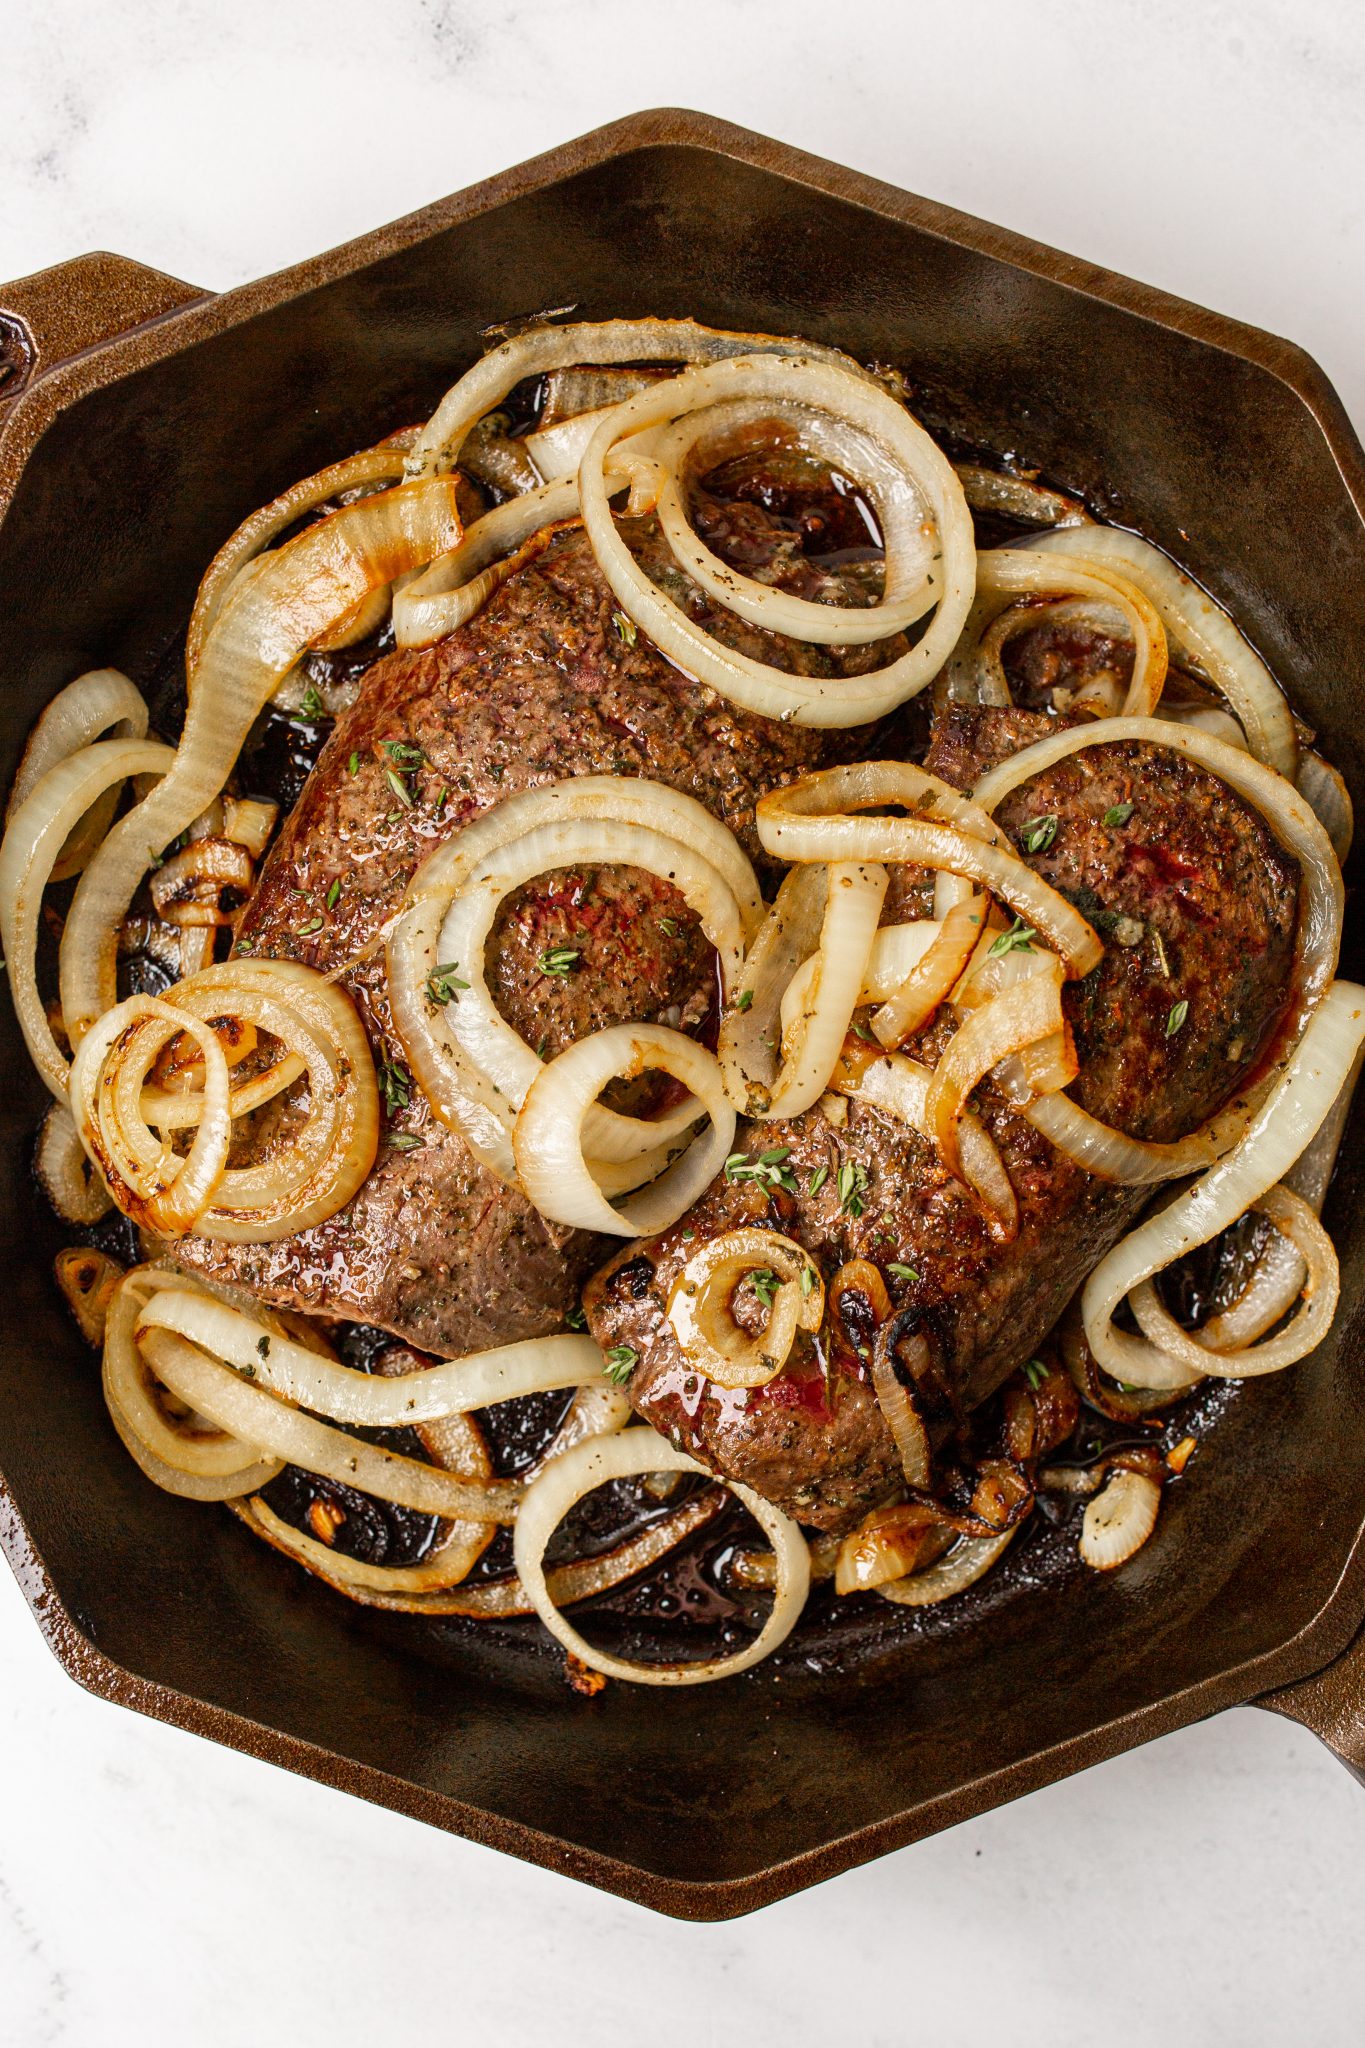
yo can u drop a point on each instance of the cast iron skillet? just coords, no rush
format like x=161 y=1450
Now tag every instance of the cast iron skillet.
x=139 y=421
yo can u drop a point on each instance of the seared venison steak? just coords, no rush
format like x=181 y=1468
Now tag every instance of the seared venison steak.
x=1197 y=904
x=548 y=681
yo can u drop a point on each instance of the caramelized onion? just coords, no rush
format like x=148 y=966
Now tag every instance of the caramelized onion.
x=1020 y=1015
x=825 y=918
x=284 y=1367
x=637 y=1451
x=549 y=1138
x=99 y=702
x=310 y=1176
x=970 y=1558
x=1201 y=634
x=291 y=599
x=700 y=1311
x=816 y=819
x=1119 y=1520
x=1005 y=575
x=1302 y=1096
x=63 y=1170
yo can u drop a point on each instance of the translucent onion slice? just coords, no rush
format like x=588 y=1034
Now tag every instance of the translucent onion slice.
x=252 y=1415
x=542 y=349
x=699 y=1306
x=310 y=1176
x=1018 y=497
x=897 y=950
x=1325 y=789
x=63 y=1170
x=188 y=888
x=1301 y=1098
x=448 y=1563
x=148 y=1180
x=637 y=1451
x=37 y=831
x=1119 y=1520
x=549 y=1137
x=492 y=1599
x=1006 y=575
x=181 y=1453
x=1201 y=634
x=540 y=1365
x=816 y=819
x=847 y=899
x=461 y=1095
x=901 y=1415
x=99 y=702
x=910 y=1006
x=970 y=1558
x=910 y=587
x=1222 y=1352
x=504 y=1059
x=371 y=469
x=446 y=594
x=870 y=411
x=1093 y=1145
x=900 y=1087
x=1020 y=1015
x=296 y=595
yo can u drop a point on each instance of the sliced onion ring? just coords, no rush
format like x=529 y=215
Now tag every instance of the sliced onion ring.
x=635 y=1452
x=699 y=1309
x=1004 y=575
x=542 y=349
x=970 y=1558
x=548 y=1139
x=846 y=898
x=1302 y=1096
x=295 y=596
x=816 y=819
x=900 y=1087
x=750 y=683
x=540 y=1365
x=253 y=1416
x=1200 y=632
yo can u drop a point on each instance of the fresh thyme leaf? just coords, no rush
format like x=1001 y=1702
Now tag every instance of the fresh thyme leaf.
x=395 y=1085
x=575 y=1318
x=817 y=1180
x=744 y=1000
x=444 y=984
x=622 y=1360
x=1035 y=1372
x=627 y=632
x=1019 y=938
x=404 y=1141
x=559 y=960
x=669 y=926
x=333 y=893
x=901 y=1272
x=769 y=1168
x=403 y=754
x=399 y=788
x=1039 y=833
x=1179 y=1012
x=311 y=708
x=1119 y=814
x=852 y=1186
x=807 y=1280
x=763 y=1280
x=313 y=924
x=353 y=765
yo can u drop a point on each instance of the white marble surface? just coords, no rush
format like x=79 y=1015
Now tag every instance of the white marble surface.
x=1207 y=1890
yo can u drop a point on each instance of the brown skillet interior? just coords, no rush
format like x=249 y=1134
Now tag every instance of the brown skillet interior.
x=667 y=1795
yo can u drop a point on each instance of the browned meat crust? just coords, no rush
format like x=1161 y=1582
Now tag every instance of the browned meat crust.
x=1198 y=904
x=542 y=684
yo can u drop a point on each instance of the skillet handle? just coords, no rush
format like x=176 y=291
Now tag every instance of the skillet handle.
x=58 y=313
x=1331 y=1704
